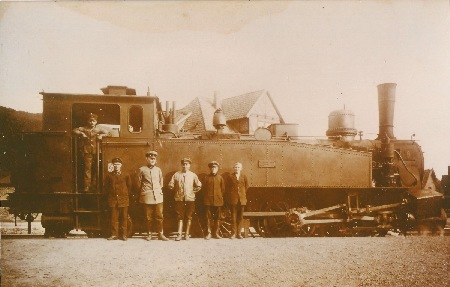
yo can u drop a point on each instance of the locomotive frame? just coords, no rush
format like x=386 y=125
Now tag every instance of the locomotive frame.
x=326 y=187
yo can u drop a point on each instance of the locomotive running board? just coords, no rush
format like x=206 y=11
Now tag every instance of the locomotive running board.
x=264 y=213
x=283 y=213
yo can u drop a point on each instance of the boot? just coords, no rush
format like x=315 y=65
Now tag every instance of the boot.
x=208 y=226
x=188 y=227
x=149 y=230
x=217 y=230
x=114 y=230
x=238 y=231
x=162 y=237
x=180 y=230
x=233 y=230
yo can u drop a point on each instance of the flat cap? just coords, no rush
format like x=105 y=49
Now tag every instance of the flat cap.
x=117 y=159
x=151 y=153
x=213 y=163
x=92 y=116
x=186 y=159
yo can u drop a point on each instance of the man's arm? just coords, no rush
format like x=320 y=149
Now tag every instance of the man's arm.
x=161 y=179
x=222 y=184
x=245 y=183
x=171 y=184
x=102 y=132
x=79 y=131
x=197 y=184
x=108 y=184
x=139 y=179
x=128 y=183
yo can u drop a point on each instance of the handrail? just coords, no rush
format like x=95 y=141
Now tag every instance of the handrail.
x=407 y=169
x=126 y=143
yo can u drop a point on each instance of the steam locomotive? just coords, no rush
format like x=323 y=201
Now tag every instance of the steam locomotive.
x=333 y=186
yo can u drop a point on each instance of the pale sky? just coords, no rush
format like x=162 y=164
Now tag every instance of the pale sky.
x=313 y=57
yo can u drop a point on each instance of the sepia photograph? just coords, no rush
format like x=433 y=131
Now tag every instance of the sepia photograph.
x=224 y=143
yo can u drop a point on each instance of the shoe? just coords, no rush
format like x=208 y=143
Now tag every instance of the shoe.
x=162 y=237
x=124 y=238
x=217 y=236
x=148 y=238
x=239 y=236
x=208 y=236
x=186 y=236
x=178 y=237
x=113 y=238
x=233 y=236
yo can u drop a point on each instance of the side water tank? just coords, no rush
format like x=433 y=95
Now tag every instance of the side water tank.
x=341 y=125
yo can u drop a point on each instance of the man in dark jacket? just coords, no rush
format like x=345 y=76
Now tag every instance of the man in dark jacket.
x=236 y=197
x=117 y=186
x=214 y=188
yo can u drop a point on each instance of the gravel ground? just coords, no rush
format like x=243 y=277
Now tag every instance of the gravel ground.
x=365 y=261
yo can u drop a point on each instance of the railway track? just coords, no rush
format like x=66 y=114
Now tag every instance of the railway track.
x=18 y=230
x=139 y=237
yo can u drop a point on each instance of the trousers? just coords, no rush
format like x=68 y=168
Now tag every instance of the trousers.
x=154 y=213
x=90 y=171
x=184 y=209
x=119 y=217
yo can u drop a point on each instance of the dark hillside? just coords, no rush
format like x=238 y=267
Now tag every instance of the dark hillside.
x=13 y=122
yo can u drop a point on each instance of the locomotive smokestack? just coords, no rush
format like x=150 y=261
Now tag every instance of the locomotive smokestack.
x=386 y=105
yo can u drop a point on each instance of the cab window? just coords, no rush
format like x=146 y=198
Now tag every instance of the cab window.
x=108 y=116
x=135 y=119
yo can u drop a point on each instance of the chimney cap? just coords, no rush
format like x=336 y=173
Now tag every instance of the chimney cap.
x=117 y=90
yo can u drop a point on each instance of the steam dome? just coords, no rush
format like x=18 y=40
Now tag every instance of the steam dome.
x=341 y=124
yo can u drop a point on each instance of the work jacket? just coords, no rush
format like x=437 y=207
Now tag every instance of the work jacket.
x=150 y=182
x=185 y=185
x=236 y=189
x=213 y=190
x=117 y=187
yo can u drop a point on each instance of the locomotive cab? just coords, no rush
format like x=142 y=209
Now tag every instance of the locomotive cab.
x=126 y=119
x=48 y=178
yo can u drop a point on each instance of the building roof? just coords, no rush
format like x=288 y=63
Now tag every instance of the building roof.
x=237 y=107
x=426 y=176
x=429 y=177
x=201 y=118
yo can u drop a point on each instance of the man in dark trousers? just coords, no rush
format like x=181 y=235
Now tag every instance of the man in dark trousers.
x=151 y=194
x=117 y=186
x=214 y=188
x=236 y=197
x=89 y=134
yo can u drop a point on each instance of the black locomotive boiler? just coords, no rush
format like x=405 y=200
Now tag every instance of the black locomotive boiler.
x=331 y=186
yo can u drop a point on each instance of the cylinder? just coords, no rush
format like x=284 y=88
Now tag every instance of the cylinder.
x=386 y=105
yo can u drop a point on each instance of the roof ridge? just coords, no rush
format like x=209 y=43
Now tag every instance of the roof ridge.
x=254 y=92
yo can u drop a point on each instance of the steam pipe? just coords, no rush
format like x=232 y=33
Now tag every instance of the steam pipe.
x=172 y=119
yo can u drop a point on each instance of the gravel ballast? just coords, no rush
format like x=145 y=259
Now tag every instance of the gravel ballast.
x=355 y=261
